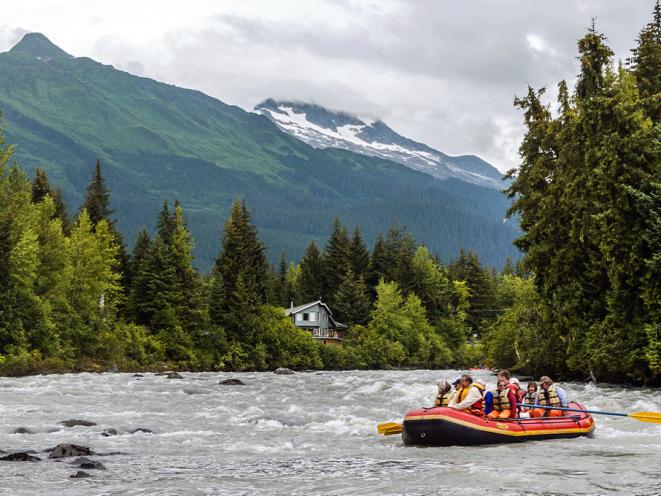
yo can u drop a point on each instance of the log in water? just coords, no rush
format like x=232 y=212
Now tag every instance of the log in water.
x=301 y=434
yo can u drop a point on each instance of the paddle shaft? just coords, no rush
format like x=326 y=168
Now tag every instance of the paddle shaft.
x=574 y=410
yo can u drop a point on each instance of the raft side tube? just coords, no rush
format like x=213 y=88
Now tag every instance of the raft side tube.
x=448 y=427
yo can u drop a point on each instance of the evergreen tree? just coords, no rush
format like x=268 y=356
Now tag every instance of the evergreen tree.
x=97 y=199
x=580 y=195
x=336 y=260
x=97 y=205
x=137 y=280
x=239 y=273
x=646 y=64
x=40 y=186
x=380 y=265
x=481 y=286
x=311 y=275
x=165 y=225
x=360 y=257
x=352 y=303
x=280 y=297
x=61 y=210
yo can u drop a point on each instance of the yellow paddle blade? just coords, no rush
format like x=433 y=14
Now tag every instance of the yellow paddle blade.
x=388 y=428
x=653 y=417
x=393 y=430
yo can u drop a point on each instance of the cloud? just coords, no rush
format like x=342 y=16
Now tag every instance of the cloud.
x=444 y=73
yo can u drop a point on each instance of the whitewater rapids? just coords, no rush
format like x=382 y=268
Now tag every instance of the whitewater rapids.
x=311 y=433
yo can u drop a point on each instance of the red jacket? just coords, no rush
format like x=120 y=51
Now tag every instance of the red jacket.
x=511 y=396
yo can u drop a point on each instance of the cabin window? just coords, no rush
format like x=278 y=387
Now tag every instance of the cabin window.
x=299 y=317
x=306 y=317
x=313 y=316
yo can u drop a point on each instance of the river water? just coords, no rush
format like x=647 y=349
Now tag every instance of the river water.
x=304 y=434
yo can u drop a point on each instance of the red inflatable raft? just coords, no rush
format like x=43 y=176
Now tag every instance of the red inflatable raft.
x=448 y=427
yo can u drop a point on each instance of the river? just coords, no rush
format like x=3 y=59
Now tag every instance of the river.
x=305 y=434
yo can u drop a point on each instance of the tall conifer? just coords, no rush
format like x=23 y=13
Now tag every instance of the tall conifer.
x=240 y=272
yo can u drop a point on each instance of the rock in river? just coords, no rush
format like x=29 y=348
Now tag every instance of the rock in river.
x=232 y=382
x=24 y=430
x=141 y=429
x=66 y=450
x=20 y=457
x=88 y=463
x=283 y=371
x=75 y=422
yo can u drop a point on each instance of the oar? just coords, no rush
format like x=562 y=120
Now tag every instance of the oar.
x=653 y=417
x=389 y=428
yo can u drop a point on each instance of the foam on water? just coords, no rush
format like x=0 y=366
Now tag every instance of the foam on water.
x=310 y=433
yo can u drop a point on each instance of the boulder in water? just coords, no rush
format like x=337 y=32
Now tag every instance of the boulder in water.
x=67 y=450
x=174 y=375
x=20 y=457
x=75 y=423
x=88 y=463
x=283 y=371
x=81 y=474
x=109 y=432
x=24 y=430
x=140 y=429
x=232 y=382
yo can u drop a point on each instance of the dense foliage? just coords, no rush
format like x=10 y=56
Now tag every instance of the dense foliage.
x=587 y=195
x=71 y=299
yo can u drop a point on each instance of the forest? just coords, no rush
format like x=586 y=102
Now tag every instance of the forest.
x=584 y=302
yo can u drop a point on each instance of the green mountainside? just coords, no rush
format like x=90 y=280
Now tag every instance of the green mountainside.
x=159 y=142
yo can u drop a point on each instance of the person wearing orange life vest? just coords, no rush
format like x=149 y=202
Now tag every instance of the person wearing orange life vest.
x=549 y=394
x=512 y=384
x=469 y=398
x=504 y=402
x=444 y=394
x=529 y=397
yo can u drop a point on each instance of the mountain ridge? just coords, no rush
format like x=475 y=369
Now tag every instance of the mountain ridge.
x=160 y=142
x=324 y=128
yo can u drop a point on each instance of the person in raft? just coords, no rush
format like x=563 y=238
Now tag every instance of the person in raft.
x=444 y=394
x=504 y=402
x=469 y=398
x=529 y=397
x=549 y=394
x=512 y=384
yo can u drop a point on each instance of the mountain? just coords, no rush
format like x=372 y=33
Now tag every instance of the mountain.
x=323 y=128
x=159 y=142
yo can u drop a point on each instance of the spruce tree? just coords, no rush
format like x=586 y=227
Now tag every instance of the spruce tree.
x=40 y=186
x=360 y=257
x=97 y=205
x=97 y=199
x=336 y=258
x=352 y=302
x=646 y=64
x=379 y=267
x=311 y=275
x=240 y=271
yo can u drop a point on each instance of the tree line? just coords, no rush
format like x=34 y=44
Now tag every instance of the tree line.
x=72 y=297
x=588 y=196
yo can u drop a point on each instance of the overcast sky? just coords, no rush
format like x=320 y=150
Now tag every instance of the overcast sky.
x=443 y=72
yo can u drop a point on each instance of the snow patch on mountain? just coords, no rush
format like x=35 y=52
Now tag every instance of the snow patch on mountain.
x=322 y=128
